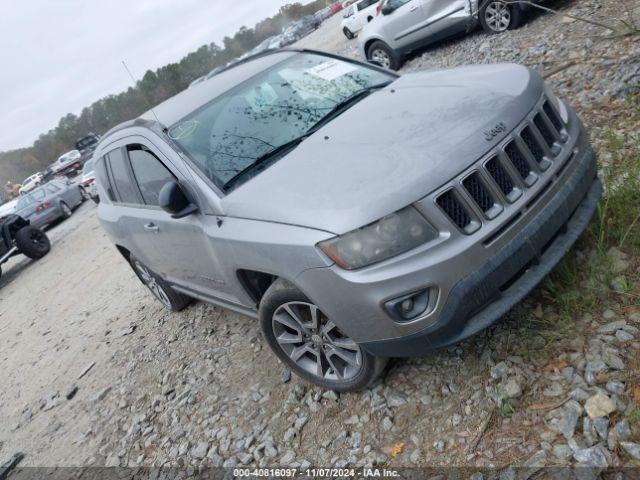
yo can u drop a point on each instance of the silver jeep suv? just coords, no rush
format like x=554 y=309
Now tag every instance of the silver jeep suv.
x=358 y=214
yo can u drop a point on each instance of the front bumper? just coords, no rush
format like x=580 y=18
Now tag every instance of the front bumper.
x=521 y=265
x=469 y=302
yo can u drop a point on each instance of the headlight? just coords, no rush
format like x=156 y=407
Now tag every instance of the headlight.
x=394 y=234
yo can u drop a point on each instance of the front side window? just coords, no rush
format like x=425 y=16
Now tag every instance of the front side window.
x=150 y=173
x=121 y=178
x=235 y=130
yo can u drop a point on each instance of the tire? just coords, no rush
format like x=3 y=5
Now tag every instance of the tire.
x=96 y=199
x=160 y=289
x=32 y=242
x=319 y=363
x=66 y=211
x=498 y=17
x=348 y=33
x=83 y=194
x=380 y=53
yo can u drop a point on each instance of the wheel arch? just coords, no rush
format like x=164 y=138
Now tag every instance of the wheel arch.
x=255 y=283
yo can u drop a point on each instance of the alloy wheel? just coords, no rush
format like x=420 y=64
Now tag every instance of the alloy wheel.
x=314 y=343
x=381 y=57
x=497 y=16
x=152 y=284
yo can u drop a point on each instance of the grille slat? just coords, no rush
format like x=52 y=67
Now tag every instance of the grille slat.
x=546 y=133
x=532 y=144
x=518 y=160
x=553 y=117
x=450 y=204
x=479 y=192
x=500 y=176
x=529 y=149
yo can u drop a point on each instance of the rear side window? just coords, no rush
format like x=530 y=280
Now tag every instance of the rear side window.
x=103 y=177
x=121 y=179
x=150 y=173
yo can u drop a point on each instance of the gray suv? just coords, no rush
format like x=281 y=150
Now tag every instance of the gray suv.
x=407 y=25
x=358 y=214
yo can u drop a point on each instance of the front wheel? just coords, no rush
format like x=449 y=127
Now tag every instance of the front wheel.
x=32 y=242
x=160 y=289
x=498 y=17
x=348 y=33
x=311 y=345
x=381 y=54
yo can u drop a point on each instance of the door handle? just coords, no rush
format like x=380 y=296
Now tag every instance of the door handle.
x=414 y=8
x=152 y=227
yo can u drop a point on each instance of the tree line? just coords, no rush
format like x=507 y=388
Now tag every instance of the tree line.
x=154 y=87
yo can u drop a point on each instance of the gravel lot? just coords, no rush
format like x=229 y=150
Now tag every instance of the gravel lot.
x=202 y=388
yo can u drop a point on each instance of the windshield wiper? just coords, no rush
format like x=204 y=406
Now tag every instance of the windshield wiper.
x=291 y=144
x=347 y=102
x=263 y=159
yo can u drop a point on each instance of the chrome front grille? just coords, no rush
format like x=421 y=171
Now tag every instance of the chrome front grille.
x=526 y=154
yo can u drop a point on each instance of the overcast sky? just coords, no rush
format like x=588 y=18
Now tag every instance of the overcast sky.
x=59 y=56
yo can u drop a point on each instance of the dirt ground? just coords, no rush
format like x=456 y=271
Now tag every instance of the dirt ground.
x=201 y=388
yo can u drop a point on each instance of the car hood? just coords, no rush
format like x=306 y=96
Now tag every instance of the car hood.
x=391 y=149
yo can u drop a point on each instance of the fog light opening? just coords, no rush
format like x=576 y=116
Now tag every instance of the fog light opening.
x=410 y=306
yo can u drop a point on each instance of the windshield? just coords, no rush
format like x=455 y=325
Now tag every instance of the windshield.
x=275 y=107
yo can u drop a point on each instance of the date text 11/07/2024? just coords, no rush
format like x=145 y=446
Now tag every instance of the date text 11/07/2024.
x=315 y=473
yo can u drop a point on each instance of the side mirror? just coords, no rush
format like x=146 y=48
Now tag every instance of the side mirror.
x=173 y=200
x=387 y=10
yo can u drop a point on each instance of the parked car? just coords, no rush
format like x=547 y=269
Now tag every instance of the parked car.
x=406 y=25
x=30 y=183
x=86 y=146
x=336 y=7
x=49 y=203
x=68 y=165
x=89 y=180
x=323 y=14
x=475 y=185
x=301 y=29
x=17 y=237
x=357 y=16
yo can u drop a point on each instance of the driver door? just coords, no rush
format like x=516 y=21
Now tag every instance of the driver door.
x=176 y=249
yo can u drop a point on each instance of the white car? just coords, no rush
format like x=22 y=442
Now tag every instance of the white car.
x=66 y=160
x=358 y=15
x=89 y=180
x=30 y=183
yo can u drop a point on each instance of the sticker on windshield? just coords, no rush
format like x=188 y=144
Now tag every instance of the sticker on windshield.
x=331 y=69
